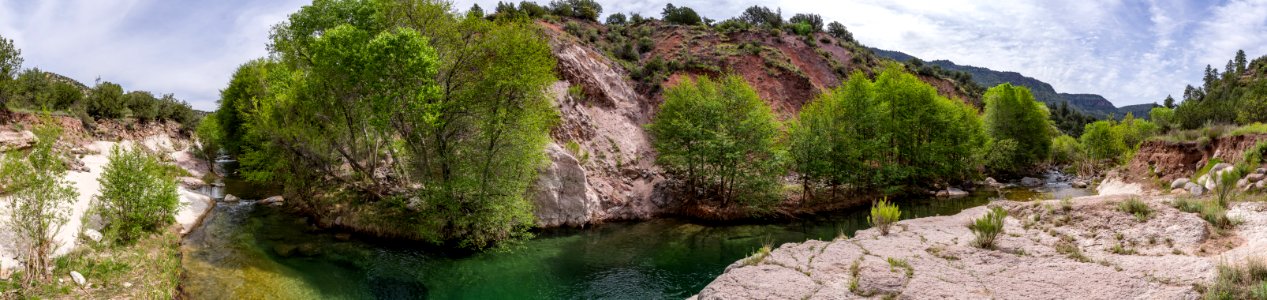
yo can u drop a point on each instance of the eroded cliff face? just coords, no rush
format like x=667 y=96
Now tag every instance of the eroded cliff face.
x=602 y=164
x=1166 y=161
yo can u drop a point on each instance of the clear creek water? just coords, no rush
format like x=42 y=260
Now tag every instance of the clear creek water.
x=245 y=251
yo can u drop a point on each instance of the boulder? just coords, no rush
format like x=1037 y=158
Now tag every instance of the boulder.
x=1220 y=167
x=1078 y=184
x=1242 y=183
x=1195 y=189
x=1179 y=183
x=78 y=278
x=1255 y=177
x=951 y=193
x=1203 y=179
x=93 y=235
x=1260 y=185
x=231 y=198
x=1260 y=171
x=1031 y=182
x=562 y=194
x=1211 y=183
x=989 y=181
x=16 y=140
x=273 y=201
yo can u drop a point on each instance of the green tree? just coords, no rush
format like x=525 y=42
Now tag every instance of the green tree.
x=248 y=86
x=1239 y=62
x=1012 y=113
x=1065 y=149
x=930 y=138
x=38 y=201
x=143 y=105
x=106 y=101
x=31 y=89
x=10 y=63
x=762 y=16
x=719 y=138
x=580 y=9
x=65 y=96
x=814 y=21
x=680 y=15
x=1103 y=140
x=1163 y=117
x=1169 y=102
x=616 y=19
x=837 y=136
x=138 y=196
x=452 y=123
x=839 y=31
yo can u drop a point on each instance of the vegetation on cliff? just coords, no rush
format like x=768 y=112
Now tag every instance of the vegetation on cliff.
x=436 y=121
x=37 y=202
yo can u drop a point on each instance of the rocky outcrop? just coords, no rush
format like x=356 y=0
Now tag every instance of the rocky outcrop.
x=607 y=169
x=1086 y=250
x=562 y=195
x=16 y=140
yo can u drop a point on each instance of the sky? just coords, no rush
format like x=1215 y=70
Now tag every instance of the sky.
x=1131 y=52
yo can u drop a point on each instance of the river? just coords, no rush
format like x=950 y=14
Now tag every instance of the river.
x=247 y=251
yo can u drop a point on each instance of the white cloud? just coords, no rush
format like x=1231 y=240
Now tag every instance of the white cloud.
x=1129 y=51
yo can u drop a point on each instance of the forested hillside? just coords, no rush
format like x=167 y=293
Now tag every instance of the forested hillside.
x=1094 y=105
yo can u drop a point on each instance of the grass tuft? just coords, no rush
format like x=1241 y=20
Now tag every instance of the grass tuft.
x=988 y=227
x=883 y=215
x=1138 y=208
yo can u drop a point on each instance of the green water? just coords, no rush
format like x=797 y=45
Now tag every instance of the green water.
x=256 y=252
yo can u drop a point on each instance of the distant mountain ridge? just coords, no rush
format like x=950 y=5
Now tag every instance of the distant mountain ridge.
x=1093 y=104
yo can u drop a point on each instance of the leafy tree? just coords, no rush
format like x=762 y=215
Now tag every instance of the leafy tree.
x=249 y=85
x=1163 y=117
x=210 y=137
x=1103 y=140
x=453 y=122
x=106 y=101
x=839 y=31
x=1135 y=131
x=532 y=9
x=931 y=138
x=616 y=19
x=719 y=137
x=580 y=9
x=1011 y=113
x=762 y=16
x=814 y=20
x=38 y=201
x=1068 y=120
x=143 y=105
x=1169 y=102
x=475 y=12
x=1065 y=149
x=10 y=63
x=680 y=15
x=837 y=135
x=31 y=89
x=137 y=195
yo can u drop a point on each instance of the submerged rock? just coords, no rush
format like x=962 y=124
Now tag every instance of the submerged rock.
x=1079 y=184
x=273 y=201
x=231 y=198
x=951 y=193
x=1031 y=182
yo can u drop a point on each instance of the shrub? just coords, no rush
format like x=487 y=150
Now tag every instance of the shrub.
x=1012 y=113
x=1065 y=149
x=1243 y=281
x=1210 y=211
x=1135 y=207
x=137 y=195
x=988 y=227
x=37 y=201
x=760 y=255
x=1253 y=156
x=883 y=215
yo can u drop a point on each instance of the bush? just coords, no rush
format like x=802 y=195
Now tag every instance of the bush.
x=106 y=101
x=680 y=15
x=1135 y=207
x=883 y=215
x=1240 y=281
x=988 y=227
x=1103 y=141
x=137 y=195
x=1065 y=149
x=38 y=200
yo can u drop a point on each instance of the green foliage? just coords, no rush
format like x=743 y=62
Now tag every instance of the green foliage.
x=1069 y=120
x=143 y=105
x=210 y=137
x=759 y=256
x=1247 y=280
x=10 y=59
x=813 y=21
x=1104 y=141
x=106 y=101
x=438 y=121
x=1253 y=157
x=1210 y=210
x=1226 y=184
x=883 y=215
x=1164 y=118
x=1011 y=113
x=839 y=31
x=988 y=227
x=719 y=137
x=580 y=9
x=762 y=16
x=1065 y=149
x=680 y=15
x=1135 y=207
x=38 y=200
x=1135 y=131
x=137 y=195
x=616 y=19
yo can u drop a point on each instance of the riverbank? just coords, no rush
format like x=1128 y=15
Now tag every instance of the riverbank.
x=1086 y=248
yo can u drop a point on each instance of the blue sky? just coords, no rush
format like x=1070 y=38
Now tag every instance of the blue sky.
x=1129 y=51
